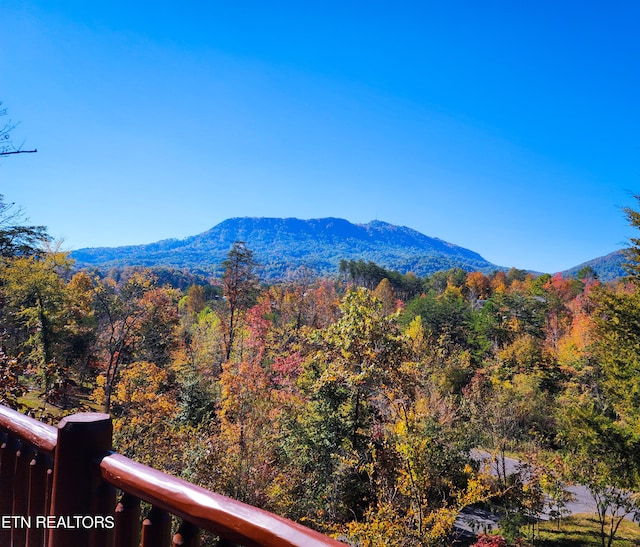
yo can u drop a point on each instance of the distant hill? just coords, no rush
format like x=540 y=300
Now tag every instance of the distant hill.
x=282 y=245
x=608 y=268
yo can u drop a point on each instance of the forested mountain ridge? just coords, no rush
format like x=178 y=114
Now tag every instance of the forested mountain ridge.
x=608 y=268
x=282 y=245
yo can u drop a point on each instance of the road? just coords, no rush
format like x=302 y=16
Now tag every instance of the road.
x=474 y=520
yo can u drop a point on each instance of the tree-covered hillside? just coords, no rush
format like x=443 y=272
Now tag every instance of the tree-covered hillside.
x=283 y=245
x=607 y=268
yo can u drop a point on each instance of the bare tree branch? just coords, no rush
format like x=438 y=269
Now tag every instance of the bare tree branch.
x=18 y=152
x=7 y=147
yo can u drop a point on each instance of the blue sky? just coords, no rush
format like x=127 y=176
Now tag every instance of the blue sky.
x=509 y=128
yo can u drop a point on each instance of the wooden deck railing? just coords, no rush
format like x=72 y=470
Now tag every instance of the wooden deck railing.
x=64 y=487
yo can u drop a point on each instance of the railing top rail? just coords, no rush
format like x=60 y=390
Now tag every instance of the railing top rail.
x=232 y=519
x=42 y=436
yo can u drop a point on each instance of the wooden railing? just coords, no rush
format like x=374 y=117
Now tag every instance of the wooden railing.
x=64 y=487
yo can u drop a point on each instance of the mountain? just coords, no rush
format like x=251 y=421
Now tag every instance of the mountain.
x=282 y=245
x=608 y=268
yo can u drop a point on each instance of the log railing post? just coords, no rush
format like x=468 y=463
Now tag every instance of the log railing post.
x=83 y=439
x=127 y=532
x=38 y=481
x=8 y=449
x=188 y=535
x=24 y=456
x=156 y=528
x=48 y=496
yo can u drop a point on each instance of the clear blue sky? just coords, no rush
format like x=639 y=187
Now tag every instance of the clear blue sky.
x=510 y=128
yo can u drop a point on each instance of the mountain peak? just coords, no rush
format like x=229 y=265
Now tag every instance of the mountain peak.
x=284 y=244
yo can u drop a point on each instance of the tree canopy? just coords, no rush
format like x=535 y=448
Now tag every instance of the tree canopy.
x=17 y=237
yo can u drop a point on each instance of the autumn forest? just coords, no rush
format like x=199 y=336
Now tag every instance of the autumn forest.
x=356 y=403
